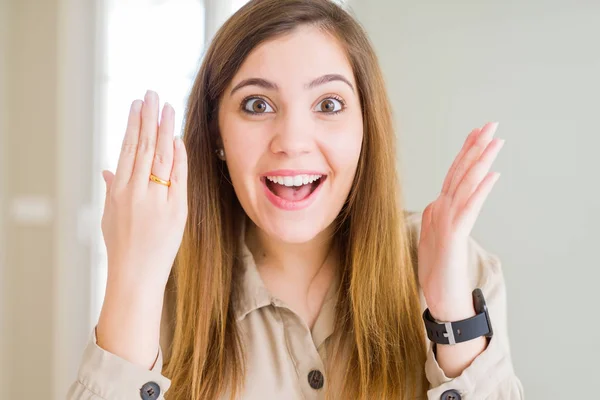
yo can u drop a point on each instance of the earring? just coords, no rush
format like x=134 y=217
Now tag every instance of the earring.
x=220 y=153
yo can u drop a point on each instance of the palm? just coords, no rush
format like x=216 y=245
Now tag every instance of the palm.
x=442 y=253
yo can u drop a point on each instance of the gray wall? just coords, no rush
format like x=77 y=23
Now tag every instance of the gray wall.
x=46 y=121
x=30 y=170
x=3 y=298
x=534 y=66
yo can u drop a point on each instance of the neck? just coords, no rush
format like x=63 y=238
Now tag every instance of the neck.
x=301 y=261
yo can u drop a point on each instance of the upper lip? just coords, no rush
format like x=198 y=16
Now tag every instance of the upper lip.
x=292 y=172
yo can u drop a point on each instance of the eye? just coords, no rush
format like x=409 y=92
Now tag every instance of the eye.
x=256 y=105
x=330 y=105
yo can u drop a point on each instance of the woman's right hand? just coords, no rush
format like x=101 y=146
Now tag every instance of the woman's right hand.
x=142 y=224
x=143 y=220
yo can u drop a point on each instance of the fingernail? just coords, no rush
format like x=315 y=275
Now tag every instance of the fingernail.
x=169 y=109
x=178 y=142
x=490 y=130
x=150 y=95
x=136 y=105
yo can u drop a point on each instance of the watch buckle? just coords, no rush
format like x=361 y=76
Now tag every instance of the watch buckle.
x=449 y=333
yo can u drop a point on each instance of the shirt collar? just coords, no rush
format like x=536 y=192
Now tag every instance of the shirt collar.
x=253 y=294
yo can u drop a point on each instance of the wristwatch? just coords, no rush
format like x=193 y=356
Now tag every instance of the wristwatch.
x=461 y=331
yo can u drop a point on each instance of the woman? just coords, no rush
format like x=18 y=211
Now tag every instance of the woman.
x=297 y=273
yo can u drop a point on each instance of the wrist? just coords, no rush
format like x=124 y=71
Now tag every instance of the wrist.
x=129 y=324
x=123 y=283
x=453 y=311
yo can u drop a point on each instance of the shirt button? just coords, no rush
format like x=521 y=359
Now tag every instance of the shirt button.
x=315 y=379
x=150 y=391
x=450 y=395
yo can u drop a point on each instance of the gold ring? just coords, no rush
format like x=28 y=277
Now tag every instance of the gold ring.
x=156 y=179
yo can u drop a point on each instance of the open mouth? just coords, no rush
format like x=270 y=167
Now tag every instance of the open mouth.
x=293 y=188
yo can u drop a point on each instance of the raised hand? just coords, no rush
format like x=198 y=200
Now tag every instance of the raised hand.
x=142 y=224
x=143 y=220
x=447 y=223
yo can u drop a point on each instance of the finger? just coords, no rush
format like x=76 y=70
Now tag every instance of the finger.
x=163 y=157
x=426 y=218
x=108 y=180
x=147 y=141
x=129 y=146
x=478 y=171
x=466 y=218
x=472 y=154
x=179 y=174
x=470 y=138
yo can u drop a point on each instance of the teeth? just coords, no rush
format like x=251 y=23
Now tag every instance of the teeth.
x=296 y=180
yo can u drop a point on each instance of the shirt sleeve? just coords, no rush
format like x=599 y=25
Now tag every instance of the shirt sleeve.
x=491 y=375
x=103 y=375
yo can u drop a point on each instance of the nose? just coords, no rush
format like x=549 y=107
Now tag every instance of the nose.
x=294 y=135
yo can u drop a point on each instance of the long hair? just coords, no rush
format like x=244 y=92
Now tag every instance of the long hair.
x=378 y=330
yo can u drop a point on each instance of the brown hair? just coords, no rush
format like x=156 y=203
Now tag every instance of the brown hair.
x=377 y=323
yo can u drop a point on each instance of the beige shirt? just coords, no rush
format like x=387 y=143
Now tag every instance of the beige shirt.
x=282 y=350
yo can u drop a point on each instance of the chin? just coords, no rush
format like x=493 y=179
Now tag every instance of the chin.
x=293 y=232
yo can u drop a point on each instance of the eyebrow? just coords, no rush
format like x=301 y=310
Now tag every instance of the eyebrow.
x=272 y=86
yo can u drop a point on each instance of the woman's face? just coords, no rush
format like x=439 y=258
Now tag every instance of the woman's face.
x=292 y=130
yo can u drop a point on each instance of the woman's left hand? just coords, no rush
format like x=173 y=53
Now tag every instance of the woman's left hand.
x=447 y=223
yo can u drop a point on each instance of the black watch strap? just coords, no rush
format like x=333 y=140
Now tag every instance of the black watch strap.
x=456 y=332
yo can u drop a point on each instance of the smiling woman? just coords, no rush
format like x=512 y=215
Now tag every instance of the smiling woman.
x=297 y=272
